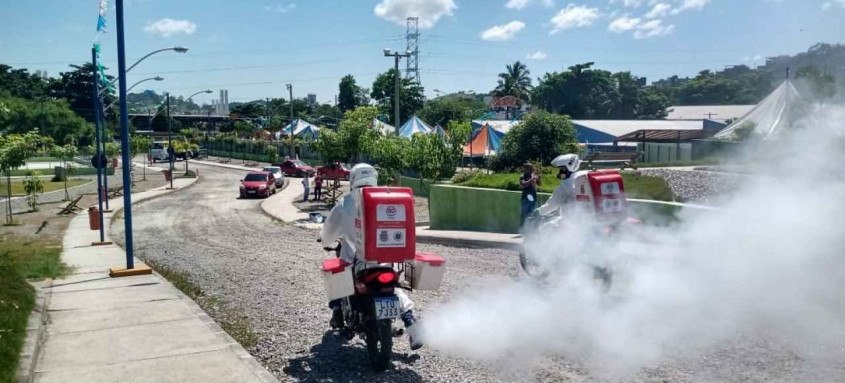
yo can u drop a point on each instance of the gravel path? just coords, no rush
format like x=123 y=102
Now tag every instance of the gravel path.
x=697 y=186
x=269 y=272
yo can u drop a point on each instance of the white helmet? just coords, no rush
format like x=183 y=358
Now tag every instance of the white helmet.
x=363 y=175
x=569 y=161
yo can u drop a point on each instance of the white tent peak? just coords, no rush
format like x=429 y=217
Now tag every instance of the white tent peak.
x=771 y=116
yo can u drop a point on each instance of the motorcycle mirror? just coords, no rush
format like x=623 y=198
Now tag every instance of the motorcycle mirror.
x=319 y=240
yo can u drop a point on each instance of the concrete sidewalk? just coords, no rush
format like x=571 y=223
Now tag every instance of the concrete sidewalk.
x=138 y=329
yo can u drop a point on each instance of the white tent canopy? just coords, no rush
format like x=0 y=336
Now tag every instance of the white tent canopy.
x=383 y=128
x=771 y=116
x=301 y=128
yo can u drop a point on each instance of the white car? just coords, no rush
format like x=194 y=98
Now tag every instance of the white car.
x=277 y=172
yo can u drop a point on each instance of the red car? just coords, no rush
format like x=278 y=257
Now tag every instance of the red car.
x=295 y=168
x=257 y=184
x=333 y=171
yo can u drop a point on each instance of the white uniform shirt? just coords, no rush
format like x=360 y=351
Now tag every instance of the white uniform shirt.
x=564 y=194
x=341 y=224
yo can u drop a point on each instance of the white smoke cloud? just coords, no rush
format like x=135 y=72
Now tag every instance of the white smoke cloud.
x=769 y=263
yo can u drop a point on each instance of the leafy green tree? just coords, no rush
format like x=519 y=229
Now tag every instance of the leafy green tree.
x=65 y=154
x=411 y=97
x=140 y=145
x=442 y=111
x=53 y=118
x=21 y=83
x=14 y=150
x=515 y=81
x=243 y=128
x=76 y=86
x=541 y=136
x=434 y=157
x=33 y=187
x=272 y=152
x=349 y=142
x=350 y=95
x=389 y=157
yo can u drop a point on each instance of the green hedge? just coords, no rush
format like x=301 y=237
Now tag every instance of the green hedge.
x=492 y=210
x=420 y=189
x=636 y=186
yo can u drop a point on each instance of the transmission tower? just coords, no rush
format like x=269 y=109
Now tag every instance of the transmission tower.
x=412 y=36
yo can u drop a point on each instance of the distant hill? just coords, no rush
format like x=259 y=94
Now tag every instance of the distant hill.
x=823 y=65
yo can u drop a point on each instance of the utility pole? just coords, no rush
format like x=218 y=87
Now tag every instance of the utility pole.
x=396 y=56
x=171 y=153
x=290 y=101
x=98 y=153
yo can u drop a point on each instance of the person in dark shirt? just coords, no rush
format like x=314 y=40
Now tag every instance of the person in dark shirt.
x=528 y=182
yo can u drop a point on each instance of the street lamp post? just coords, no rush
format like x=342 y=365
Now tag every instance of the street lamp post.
x=156 y=78
x=396 y=56
x=290 y=90
x=124 y=142
x=177 y=49
x=171 y=153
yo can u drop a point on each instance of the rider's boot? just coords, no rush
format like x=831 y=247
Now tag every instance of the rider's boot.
x=337 y=314
x=412 y=326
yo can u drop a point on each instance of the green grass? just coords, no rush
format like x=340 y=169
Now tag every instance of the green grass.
x=636 y=186
x=78 y=171
x=21 y=259
x=17 y=185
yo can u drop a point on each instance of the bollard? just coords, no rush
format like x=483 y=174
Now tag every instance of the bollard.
x=168 y=175
x=93 y=218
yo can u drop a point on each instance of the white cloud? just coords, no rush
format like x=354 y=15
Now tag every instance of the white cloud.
x=429 y=11
x=829 y=4
x=519 y=4
x=630 y=3
x=690 y=5
x=574 y=16
x=753 y=59
x=652 y=28
x=170 y=27
x=281 y=8
x=538 y=55
x=623 y=24
x=502 y=32
x=659 y=10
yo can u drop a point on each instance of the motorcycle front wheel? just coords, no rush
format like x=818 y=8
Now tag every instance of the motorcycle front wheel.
x=379 y=339
x=530 y=267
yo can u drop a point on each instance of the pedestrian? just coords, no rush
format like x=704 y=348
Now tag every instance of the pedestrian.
x=306 y=185
x=318 y=187
x=528 y=182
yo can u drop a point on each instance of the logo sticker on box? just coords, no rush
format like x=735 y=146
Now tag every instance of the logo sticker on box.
x=391 y=213
x=610 y=188
x=391 y=238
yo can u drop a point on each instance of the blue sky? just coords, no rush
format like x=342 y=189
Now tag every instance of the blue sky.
x=254 y=47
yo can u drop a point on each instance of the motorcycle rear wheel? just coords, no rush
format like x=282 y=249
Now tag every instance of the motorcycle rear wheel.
x=379 y=339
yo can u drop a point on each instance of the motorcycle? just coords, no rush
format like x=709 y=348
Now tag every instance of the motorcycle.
x=602 y=273
x=370 y=311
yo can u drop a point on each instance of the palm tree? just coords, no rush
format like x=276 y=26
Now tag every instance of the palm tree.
x=515 y=81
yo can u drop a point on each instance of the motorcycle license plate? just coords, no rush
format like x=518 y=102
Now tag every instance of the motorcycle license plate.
x=387 y=307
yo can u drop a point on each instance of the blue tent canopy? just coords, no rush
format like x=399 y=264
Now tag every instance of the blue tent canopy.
x=414 y=126
x=438 y=130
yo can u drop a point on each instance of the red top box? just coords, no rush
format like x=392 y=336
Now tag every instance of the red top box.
x=388 y=224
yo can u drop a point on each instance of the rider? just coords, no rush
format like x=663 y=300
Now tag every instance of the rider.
x=565 y=192
x=341 y=225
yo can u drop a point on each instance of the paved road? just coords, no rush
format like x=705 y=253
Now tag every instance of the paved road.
x=268 y=271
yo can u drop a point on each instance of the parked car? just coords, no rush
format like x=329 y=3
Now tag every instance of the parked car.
x=296 y=168
x=160 y=151
x=277 y=174
x=258 y=184
x=335 y=170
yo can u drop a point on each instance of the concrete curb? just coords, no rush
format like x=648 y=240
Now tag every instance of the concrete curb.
x=466 y=242
x=34 y=333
